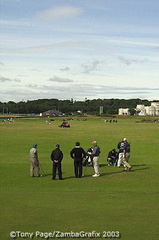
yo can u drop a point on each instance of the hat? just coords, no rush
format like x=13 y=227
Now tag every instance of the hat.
x=124 y=139
x=77 y=143
x=35 y=145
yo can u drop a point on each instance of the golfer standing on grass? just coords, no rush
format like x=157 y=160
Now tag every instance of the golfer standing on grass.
x=34 y=161
x=95 y=154
x=78 y=154
x=56 y=157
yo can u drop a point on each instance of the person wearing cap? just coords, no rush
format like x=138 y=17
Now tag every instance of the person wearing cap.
x=121 y=148
x=56 y=157
x=95 y=155
x=122 y=153
x=34 y=160
x=78 y=154
x=127 y=150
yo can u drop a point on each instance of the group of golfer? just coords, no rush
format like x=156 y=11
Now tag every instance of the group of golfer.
x=82 y=158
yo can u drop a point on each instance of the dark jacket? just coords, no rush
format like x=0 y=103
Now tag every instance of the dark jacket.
x=78 y=153
x=127 y=147
x=57 y=155
x=96 y=151
x=121 y=146
x=113 y=154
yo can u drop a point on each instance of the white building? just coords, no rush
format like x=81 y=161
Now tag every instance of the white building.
x=152 y=110
x=142 y=110
x=124 y=111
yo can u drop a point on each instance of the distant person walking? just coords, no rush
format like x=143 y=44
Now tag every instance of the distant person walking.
x=121 y=148
x=78 y=154
x=56 y=157
x=95 y=155
x=127 y=150
x=122 y=153
x=34 y=161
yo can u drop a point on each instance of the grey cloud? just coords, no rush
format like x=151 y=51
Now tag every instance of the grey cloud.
x=65 y=69
x=17 y=80
x=128 y=62
x=32 y=85
x=102 y=91
x=92 y=66
x=60 y=79
x=78 y=91
x=96 y=90
x=4 y=79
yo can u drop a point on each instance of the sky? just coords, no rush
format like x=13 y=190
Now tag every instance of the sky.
x=79 y=49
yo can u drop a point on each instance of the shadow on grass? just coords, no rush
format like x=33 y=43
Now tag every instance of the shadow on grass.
x=69 y=177
x=50 y=175
x=123 y=171
x=139 y=165
x=120 y=170
x=142 y=169
x=112 y=173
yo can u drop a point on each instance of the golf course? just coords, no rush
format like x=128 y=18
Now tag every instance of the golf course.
x=118 y=204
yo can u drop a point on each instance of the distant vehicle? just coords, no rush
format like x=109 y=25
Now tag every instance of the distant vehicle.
x=65 y=125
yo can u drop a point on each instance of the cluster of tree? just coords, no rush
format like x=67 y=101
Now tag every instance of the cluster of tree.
x=110 y=106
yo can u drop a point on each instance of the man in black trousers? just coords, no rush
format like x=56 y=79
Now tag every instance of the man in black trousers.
x=56 y=157
x=78 y=154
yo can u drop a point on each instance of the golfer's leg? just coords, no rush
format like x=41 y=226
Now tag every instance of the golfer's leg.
x=59 y=171
x=54 y=171
x=125 y=163
x=80 y=169
x=96 y=164
x=120 y=159
x=31 y=170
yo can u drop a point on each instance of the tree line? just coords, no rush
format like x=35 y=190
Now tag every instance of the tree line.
x=110 y=106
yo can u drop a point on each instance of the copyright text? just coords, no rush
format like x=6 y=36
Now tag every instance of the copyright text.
x=59 y=234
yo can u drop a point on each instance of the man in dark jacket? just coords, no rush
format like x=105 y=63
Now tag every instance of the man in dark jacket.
x=112 y=157
x=56 y=157
x=127 y=150
x=78 y=154
x=122 y=153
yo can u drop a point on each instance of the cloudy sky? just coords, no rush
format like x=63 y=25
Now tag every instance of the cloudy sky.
x=79 y=49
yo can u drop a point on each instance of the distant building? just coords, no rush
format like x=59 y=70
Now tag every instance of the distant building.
x=152 y=110
x=124 y=111
x=52 y=113
x=142 y=110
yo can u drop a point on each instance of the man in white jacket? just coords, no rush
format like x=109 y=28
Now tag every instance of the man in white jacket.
x=34 y=161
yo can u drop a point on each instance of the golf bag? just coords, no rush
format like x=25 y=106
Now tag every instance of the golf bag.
x=89 y=159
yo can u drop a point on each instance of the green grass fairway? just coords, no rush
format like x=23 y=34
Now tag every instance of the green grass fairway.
x=127 y=202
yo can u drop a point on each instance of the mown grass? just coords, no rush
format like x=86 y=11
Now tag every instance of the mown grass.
x=117 y=201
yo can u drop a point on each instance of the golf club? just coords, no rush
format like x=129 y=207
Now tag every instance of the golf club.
x=43 y=174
